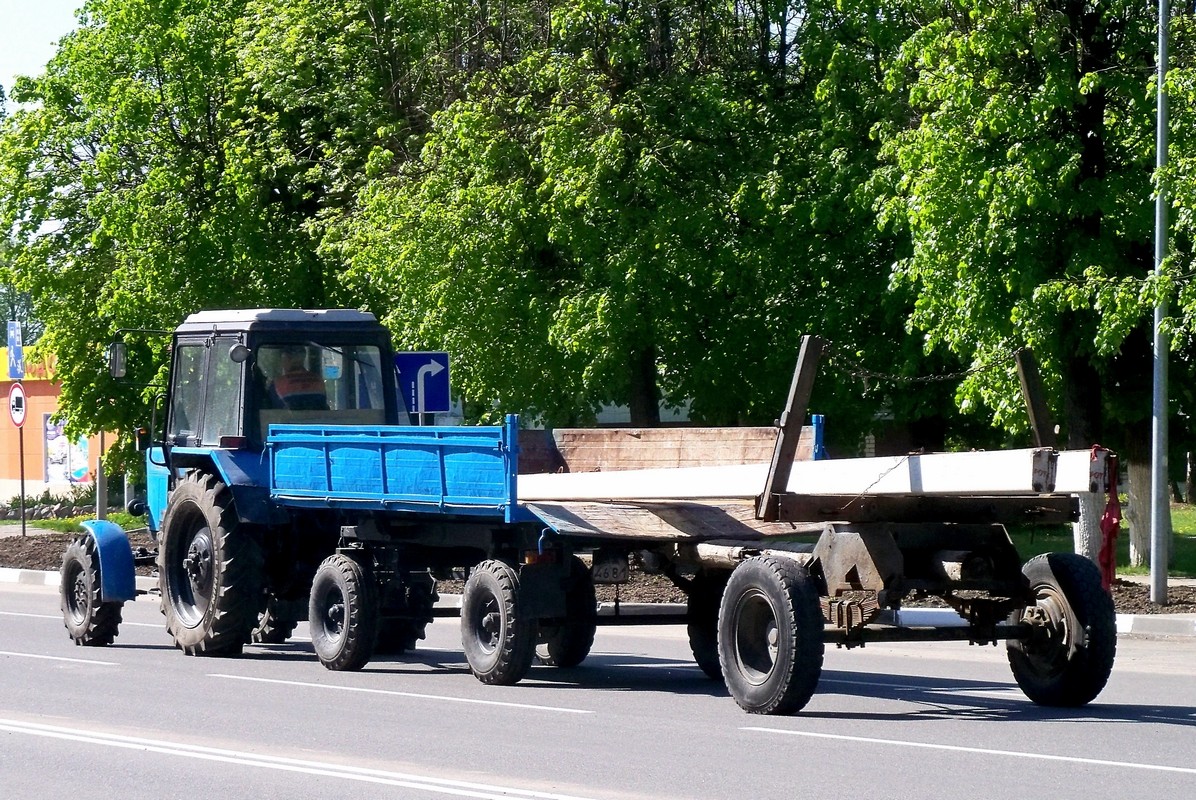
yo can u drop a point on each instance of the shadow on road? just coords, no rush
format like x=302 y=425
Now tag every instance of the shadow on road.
x=922 y=698
x=948 y=698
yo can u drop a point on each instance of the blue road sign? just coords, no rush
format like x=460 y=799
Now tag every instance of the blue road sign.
x=424 y=382
x=16 y=352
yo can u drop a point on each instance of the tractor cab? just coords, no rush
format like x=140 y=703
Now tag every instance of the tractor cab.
x=235 y=373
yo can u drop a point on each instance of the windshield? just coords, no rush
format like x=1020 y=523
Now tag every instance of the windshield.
x=311 y=382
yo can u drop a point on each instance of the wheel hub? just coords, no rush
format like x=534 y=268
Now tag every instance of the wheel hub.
x=198 y=563
x=336 y=618
x=79 y=597
x=491 y=626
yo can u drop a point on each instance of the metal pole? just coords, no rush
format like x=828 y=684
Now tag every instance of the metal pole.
x=1160 y=495
x=21 y=446
x=101 y=484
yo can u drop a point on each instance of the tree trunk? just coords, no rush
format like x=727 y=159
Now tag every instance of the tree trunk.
x=1086 y=531
x=1081 y=410
x=1137 y=514
x=644 y=400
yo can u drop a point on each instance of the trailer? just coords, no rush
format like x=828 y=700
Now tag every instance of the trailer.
x=334 y=512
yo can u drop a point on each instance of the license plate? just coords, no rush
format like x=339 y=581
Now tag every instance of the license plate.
x=610 y=568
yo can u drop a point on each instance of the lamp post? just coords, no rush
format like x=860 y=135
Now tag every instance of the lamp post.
x=1160 y=494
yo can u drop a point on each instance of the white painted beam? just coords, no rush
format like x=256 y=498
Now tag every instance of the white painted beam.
x=996 y=472
x=990 y=472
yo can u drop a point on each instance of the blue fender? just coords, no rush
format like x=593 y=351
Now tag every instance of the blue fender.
x=118 y=581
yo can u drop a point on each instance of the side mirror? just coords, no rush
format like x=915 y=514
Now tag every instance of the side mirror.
x=117 y=359
x=239 y=353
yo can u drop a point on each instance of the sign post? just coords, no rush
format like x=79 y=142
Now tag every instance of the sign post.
x=16 y=412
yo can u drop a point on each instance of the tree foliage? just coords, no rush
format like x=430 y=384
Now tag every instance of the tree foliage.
x=641 y=202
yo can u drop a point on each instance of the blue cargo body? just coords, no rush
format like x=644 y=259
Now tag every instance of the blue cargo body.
x=430 y=469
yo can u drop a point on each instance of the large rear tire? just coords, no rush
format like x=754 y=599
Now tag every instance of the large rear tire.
x=1069 y=655
x=705 y=594
x=566 y=643
x=276 y=622
x=209 y=570
x=343 y=614
x=499 y=641
x=770 y=635
x=88 y=621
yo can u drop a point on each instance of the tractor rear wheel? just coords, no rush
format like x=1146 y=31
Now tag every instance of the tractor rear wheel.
x=276 y=622
x=209 y=570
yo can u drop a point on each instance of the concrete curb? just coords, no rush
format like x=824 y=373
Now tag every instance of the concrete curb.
x=33 y=577
x=1127 y=624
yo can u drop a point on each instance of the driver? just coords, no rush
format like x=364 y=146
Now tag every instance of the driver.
x=296 y=386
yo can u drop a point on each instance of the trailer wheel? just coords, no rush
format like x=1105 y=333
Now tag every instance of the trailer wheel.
x=273 y=625
x=499 y=641
x=770 y=635
x=702 y=620
x=88 y=621
x=1067 y=659
x=566 y=643
x=209 y=570
x=343 y=614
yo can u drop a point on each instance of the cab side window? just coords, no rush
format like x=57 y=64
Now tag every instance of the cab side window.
x=223 y=402
x=186 y=408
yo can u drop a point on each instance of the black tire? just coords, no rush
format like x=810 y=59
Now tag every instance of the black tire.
x=274 y=624
x=1067 y=660
x=705 y=594
x=770 y=635
x=343 y=614
x=209 y=570
x=412 y=596
x=566 y=643
x=88 y=621
x=498 y=640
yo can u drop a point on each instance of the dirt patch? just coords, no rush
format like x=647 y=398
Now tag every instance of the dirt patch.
x=43 y=551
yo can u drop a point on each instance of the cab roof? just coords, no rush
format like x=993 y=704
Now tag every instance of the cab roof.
x=244 y=319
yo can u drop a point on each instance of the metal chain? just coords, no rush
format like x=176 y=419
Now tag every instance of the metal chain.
x=836 y=357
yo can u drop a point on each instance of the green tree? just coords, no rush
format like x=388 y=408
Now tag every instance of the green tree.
x=665 y=196
x=1025 y=188
x=129 y=202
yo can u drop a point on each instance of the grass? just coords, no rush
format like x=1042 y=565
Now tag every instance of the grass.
x=1034 y=541
x=73 y=524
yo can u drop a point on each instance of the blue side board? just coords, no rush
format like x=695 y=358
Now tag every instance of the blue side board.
x=430 y=469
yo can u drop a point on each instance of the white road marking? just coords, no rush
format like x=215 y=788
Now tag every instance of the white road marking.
x=425 y=783
x=58 y=658
x=1095 y=762
x=414 y=695
x=59 y=617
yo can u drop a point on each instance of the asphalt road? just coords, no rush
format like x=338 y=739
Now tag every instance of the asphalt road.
x=638 y=720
